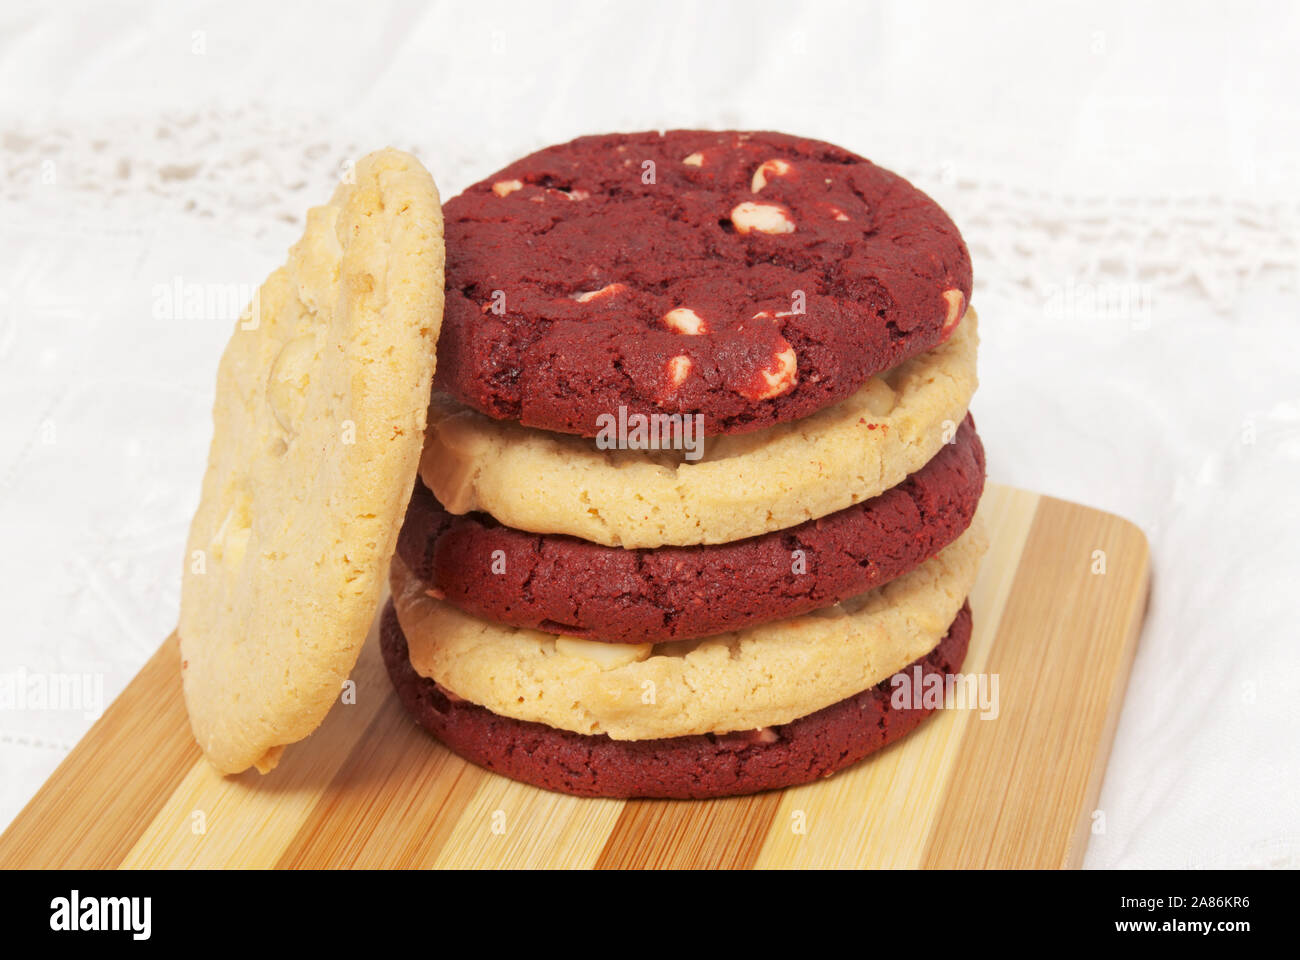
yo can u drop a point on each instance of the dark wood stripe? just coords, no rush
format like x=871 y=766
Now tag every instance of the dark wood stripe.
x=671 y=834
x=393 y=803
x=1011 y=799
x=92 y=810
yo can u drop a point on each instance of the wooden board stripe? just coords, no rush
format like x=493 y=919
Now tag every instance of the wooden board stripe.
x=370 y=789
x=676 y=834
x=249 y=818
x=112 y=783
x=393 y=803
x=1024 y=788
x=509 y=824
x=829 y=824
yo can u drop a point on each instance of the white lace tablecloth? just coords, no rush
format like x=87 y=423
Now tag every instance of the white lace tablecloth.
x=1126 y=180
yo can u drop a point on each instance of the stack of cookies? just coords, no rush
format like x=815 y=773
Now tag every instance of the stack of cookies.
x=699 y=476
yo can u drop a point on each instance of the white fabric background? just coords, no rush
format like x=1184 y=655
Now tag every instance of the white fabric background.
x=1126 y=179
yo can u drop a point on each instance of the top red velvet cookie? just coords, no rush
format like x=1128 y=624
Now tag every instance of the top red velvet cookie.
x=751 y=278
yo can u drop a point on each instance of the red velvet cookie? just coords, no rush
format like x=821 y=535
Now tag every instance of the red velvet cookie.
x=752 y=278
x=565 y=585
x=680 y=767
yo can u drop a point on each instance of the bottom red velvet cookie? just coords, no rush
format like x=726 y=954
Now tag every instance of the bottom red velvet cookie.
x=694 y=767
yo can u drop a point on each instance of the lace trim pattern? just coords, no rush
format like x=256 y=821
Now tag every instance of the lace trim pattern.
x=258 y=173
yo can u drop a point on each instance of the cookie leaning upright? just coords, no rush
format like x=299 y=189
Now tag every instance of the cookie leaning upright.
x=318 y=422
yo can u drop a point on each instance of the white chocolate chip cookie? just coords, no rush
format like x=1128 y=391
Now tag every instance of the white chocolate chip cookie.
x=318 y=422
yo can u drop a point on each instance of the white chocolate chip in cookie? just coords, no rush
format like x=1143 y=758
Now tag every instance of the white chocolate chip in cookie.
x=766 y=169
x=750 y=217
x=694 y=160
x=739 y=739
x=879 y=397
x=956 y=310
x=679 y=368
x=607 y=290
x=685 y=320
x=776 y=378
x=604 y=655
x=286 y=385
x=231 y=539
x=231 y=548
x=503 y=188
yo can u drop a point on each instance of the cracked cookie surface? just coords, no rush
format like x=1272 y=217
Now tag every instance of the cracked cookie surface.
x=763 y=676
x=752 y=278
x=318 y=421
x=577 y=588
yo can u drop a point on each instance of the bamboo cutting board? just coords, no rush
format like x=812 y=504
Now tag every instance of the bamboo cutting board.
x=1057 y=611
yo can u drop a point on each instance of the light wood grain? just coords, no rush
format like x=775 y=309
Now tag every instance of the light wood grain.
x=370 y=789
x=1023 y=788
x=908 y=780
